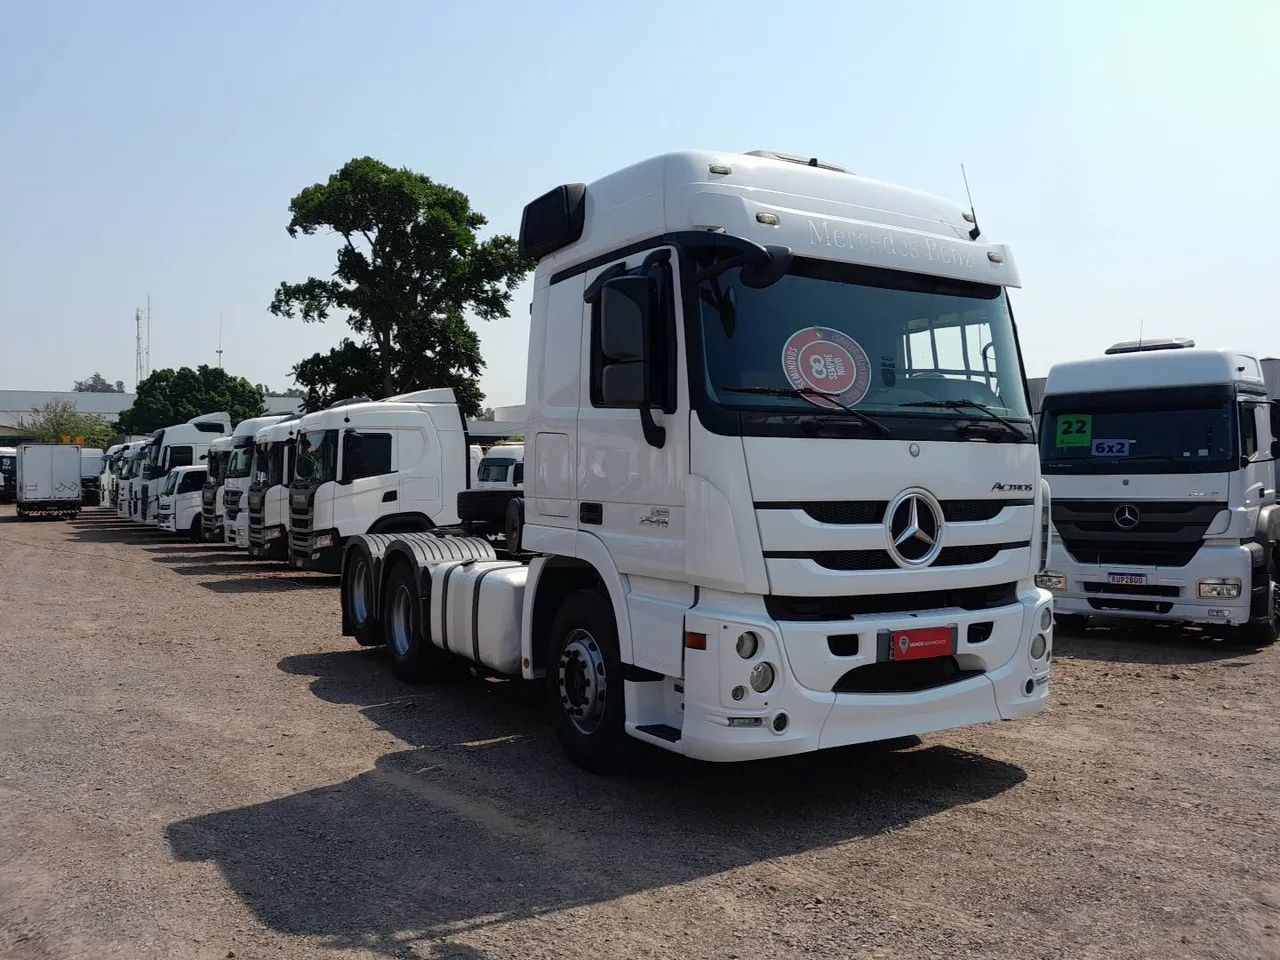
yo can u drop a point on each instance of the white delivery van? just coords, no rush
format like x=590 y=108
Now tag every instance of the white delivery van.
x=48 y=479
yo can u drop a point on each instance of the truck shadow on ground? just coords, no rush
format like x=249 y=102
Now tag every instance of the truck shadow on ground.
x=1134 y=641
x=483 y=821
x=270 y=580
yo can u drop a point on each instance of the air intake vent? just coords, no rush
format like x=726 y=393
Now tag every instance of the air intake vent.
x=1143 y=346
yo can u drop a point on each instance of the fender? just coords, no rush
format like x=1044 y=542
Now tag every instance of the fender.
x=1268 y=526
x=592 y=551
x=401 y=523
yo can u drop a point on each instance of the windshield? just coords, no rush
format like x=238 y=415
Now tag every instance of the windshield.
x=880 y=341
x=240 y=461
x=170 y=481
x=1167 y=430
x=261 y=458
x=494 y=470
x=216 y=465
x=317 y=458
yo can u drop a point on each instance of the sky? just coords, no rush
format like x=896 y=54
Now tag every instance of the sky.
x=1127 y=152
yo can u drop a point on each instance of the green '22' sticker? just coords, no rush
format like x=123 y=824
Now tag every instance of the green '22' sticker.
x=1074 y=429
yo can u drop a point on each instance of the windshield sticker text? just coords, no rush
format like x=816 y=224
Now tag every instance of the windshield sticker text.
x=826 y=361
x=1074 y=430
x=1110 y=448
x=823 y=234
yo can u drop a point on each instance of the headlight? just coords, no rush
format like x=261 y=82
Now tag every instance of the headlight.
x=1050 y=580
x=322 y=540
x=1046 y=618
x=748 y=645
x=272 y=533
x=1217 y=589
x=1039 y=646
x=762 y=676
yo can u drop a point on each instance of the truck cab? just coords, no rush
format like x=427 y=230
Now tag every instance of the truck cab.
x=132 y=459
x=211 y=507
x=1161 y=457
x=8 y=473
x=275 y=448
x=375 y=466
x=236 y=479
x=178 y=508
x=107 y=479
x=181 y=445
x=501 y=468
x=782 y=487
x=91 y=464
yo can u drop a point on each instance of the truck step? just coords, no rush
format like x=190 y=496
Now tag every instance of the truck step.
x=662 y=731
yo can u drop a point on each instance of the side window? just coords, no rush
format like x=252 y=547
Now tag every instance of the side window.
x=662 y=341
x=191 y=481
x=180 y=457
x=517 y=474
x=375 y=454
x=1248 y=431
x=1273 y=409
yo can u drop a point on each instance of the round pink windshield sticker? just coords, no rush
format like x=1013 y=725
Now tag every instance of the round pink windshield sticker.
x=826 y=361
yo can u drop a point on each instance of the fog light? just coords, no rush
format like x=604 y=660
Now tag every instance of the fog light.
x=738 y=692
x=762 y=676
x=746 y=721
x=1046 y=618
x=748 y=645
x=1049 y=580
x=1039 y=646
x=1212 y=588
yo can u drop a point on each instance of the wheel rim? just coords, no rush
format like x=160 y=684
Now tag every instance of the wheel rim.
x=401 y=620
x=360 y=591
x=583 y=686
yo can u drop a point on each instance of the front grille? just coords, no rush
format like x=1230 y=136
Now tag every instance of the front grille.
x=144 y=503
x=905 y=676
x=852 y=512
x=300 y=504
x=231 y=503
x=815 y=609
x=257 y=521
x=848 y=560
x=1134 y=589
x=1168 y=533
x=1139 y=606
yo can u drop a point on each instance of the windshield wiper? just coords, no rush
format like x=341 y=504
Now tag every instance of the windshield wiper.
x=970 y=405
x=806 y=392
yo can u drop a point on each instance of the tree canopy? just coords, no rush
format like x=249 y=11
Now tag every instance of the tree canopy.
x=410 y=269
x=174 y=396
x=60 y=418
x=98 y=384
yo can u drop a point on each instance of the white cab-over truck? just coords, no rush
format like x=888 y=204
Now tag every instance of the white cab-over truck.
x=48 y=479
x=91 y=464
x=110 y=470
x=375 y=467
x=1162 y=461
x=180 y=445
x=781 y=487
x=236 y=478
x=178 y=510
x=211 y=506
x=132 y=457
x=275 y=448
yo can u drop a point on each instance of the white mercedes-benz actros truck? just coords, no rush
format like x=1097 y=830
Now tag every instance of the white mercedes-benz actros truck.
x=781 y=486
x=1162 y=462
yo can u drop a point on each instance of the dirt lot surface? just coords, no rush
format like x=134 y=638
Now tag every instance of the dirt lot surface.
x=194 y=764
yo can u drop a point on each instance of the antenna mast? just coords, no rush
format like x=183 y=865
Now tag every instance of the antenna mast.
x=219 y=339
x=148 y=334
x=138 y=375
x=973 y=214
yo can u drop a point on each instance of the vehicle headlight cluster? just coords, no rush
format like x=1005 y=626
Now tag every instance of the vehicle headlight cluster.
x=763 y=674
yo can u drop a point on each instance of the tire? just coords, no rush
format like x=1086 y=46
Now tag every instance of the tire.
x=357 y=583
x=196 y=533
x=584 y=681
x=413 y=658
x=1263 y=627
x=513 y=528
x=1071 y=622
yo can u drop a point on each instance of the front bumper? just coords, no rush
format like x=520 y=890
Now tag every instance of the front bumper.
x=272 y=543
x=318 y=550
x=1170 y=593
x=999 y=679
x=166 y=522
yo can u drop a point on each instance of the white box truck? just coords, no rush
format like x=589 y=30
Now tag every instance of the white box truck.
x=48 y=479
x=782 y=491
x=1162 y=461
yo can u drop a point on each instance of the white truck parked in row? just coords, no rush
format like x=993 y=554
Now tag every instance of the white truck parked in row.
x=48 y=479
x=8 y=471
x=110 y=470
x=91 y=466
x=375 y=467
x=178 y=509
x=782 y=490
x=211 y=506
x=275 y=449
x=181 y=445
x=235 y=480
x=1162 y=459
x=130 y=466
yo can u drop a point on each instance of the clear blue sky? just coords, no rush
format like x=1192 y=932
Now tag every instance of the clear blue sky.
x=1129 y=153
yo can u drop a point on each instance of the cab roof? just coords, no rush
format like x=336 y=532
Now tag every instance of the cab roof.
x=1158 y=368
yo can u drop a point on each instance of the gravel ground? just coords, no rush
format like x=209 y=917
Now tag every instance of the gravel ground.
x=194 y=764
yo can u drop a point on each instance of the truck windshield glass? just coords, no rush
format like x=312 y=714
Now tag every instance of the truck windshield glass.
x=317 y=457
x=170 y=481
x=495 y=470
x=217 y=463
x=240 y=461
x=881 y=341
x=1163 y=430
x=261 y=458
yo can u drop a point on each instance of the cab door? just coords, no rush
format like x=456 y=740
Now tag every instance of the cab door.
x=633 y=421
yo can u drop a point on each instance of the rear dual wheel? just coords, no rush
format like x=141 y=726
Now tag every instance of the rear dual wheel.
x=413 y=657
x=1263 y=627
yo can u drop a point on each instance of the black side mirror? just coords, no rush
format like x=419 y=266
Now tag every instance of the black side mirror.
x=352 y=456
x=764 y=271
x=1275 y=449
x=629 y=309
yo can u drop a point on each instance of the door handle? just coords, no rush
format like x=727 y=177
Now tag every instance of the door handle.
x=592 y=513
x=389 y=496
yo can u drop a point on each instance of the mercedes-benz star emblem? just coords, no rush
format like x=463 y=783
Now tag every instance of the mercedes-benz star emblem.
x=915 y=525
x=1126 y=516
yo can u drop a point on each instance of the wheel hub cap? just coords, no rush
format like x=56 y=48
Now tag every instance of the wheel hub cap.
x=581 y=674
x=401 y=620
x=359 y=592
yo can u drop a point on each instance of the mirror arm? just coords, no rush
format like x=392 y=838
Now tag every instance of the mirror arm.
x=654 y=435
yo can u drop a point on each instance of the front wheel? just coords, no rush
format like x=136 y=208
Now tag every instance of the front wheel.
x=584 y=682
x=196 y=533
x=1263 y=627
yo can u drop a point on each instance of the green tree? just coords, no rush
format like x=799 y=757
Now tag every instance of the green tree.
x=60 y=418
x=174 y=396
x=410 y=269
x=98 y=384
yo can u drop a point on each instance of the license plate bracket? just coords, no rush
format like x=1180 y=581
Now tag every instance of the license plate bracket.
x=1129 y=579
x=917 y=643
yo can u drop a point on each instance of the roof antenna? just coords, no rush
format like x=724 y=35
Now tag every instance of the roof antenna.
x=976 y=232
x=1141 y=322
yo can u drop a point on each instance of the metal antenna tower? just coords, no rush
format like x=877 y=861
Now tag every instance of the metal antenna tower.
x=139 y=374
x=219 y=339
